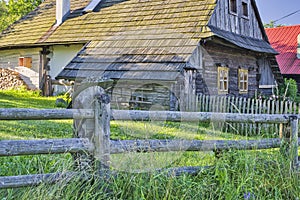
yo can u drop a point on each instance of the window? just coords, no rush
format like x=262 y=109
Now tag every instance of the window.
x=233 y=6
x=245 y=11
x=223 y=80
x=243 y=81
x=25 y=62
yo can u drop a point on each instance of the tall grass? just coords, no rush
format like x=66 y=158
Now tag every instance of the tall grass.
x=235 y=175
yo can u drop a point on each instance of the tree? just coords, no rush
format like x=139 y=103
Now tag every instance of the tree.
x=272 y=24
x=13 y=10
x=289 y=89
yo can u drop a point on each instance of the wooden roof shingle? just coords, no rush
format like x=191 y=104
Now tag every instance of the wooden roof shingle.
x=137 y=33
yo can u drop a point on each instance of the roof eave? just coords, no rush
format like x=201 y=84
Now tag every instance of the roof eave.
x=35 y=45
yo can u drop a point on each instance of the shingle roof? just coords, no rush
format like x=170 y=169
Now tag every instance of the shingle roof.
x=137 y=34
x=31 y=29
x=165 y=32
x=284 y=40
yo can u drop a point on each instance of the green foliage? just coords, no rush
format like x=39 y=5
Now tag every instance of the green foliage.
x=272 y=24
x=289 y=89
x=14 y=9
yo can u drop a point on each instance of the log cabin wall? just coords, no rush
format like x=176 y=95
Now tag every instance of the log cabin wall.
x=145 y=95
x=215 y=54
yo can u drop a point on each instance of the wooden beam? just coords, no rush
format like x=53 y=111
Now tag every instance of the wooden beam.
x=137 y=115
x=49 y=146
x=33 y=180
x=44 y=114
x=125 y=146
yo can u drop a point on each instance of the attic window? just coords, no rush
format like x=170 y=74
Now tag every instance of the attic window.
x=245 y=9
x=25 y=62
x=233 y=6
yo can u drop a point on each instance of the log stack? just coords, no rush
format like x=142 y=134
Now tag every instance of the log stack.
x=10 y=79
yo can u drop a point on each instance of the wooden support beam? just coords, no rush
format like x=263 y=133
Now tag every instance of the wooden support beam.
x=44 y=114
x=49 y=146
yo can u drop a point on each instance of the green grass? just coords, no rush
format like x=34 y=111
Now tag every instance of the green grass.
x=235 y=175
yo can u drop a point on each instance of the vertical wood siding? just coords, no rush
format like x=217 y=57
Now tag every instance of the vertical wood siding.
x=224 y=20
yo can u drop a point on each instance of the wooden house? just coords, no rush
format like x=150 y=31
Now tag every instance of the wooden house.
x=157 y=52
x=286 y=41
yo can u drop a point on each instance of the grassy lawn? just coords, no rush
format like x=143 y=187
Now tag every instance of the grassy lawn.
x=236 y=175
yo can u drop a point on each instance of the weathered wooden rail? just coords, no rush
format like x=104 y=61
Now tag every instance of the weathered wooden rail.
x=92 y=136
x=231 y=104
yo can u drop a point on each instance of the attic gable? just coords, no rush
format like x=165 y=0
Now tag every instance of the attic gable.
x=238 y=22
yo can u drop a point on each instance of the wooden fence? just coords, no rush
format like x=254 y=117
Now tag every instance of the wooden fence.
x=224 y=104
x=93 y=147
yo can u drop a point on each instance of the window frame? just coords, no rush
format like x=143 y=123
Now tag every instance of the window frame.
x=243 y=83
x=230 y=7
x=245 y=2
x=222 y=87
x=25 y=62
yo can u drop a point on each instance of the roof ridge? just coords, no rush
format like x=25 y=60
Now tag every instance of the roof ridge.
x=48 y=34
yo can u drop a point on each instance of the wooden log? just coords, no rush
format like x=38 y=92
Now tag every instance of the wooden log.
x=137 y=115
x=34 y=180
x=49 y=146
x=96 y=130
x=102 y=132
x=125 y=146
x=44 y=114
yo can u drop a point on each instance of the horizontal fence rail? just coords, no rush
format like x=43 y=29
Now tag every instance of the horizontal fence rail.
x=44 y=114
x=33 y=180
x=49 y=146
x=137 y=115
x=241 y=105
x=126 y=146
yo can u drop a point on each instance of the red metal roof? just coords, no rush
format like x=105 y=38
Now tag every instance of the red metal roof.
x=284 y=41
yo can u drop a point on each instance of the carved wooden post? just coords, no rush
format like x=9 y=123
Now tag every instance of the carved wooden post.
x=294 y=142
x=97 y=130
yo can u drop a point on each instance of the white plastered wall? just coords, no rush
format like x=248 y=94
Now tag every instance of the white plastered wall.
x=60 y=56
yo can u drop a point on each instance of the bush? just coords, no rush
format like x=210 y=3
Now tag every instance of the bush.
x=289 y=89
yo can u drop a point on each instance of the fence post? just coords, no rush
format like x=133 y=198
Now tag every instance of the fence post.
x=102 y=134
x=294 y=142
x=97 y=130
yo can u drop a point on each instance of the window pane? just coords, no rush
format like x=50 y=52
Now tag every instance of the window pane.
x=233 y=6
x=245 y=9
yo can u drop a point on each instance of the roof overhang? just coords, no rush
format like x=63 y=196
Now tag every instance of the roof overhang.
x=255 y=45
x=36 y=45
